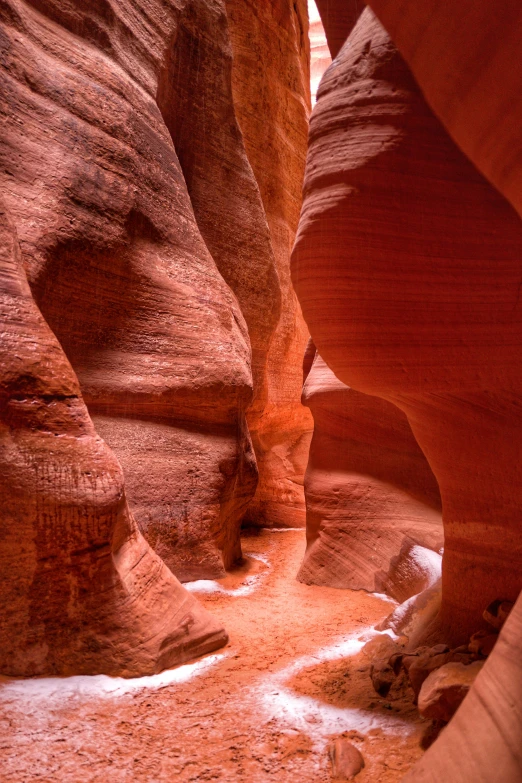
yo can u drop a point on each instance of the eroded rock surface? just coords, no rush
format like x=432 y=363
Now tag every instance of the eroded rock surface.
x=462 y=56
x=271 y=88
x=435 y=321
x=482 y=742
x=444 y=690
x=116 y=260
x=81 y=590
x=373 y=506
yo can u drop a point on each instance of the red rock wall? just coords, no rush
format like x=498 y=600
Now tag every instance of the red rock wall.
x=146 y=245
x=271 y=86
x=464 y=57
x=118 y=254
x=81 y=590
x=320 y=57
x=196 y=99
x=338 y=18
x=373 y=506
x=399 y=230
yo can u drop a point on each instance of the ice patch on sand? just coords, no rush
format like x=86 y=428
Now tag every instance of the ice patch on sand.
x=313 y=717
x=249 y=584
x=84 y=685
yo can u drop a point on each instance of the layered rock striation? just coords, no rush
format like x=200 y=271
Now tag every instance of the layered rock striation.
x=81 y=590
x=373 y=506
x=144 y=238
x=148 y=250
x=407 y=266
x=271 y=89
x=462 y=57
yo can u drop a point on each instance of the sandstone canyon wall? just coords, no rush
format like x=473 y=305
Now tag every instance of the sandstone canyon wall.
x=81 y=590
x=271 y=86
x=407 y=265
x=145 y=242
x=147 y=247
x=462 y=56
x=373 y=506
x=400 y=231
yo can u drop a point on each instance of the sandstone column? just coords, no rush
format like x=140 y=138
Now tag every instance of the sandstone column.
x=408 y=266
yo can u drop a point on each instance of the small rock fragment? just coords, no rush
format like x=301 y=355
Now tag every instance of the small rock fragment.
x=408 y=660
x=354 y=734
x=481 y=643
x=497 y=613
x=438 y=649
x=347 y=761
x=382 y=676
x=463 y=648
x=419 y=670
x=444 y=690
x=395 y=662
x=381 y=646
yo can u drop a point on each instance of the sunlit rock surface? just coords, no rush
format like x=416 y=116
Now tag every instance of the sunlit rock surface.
x=271 y=88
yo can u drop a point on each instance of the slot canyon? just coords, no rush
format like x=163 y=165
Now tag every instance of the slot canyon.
x=260 y=391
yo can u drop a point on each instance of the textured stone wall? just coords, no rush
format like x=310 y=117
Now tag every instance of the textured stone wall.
x=81 y=590
x=271 y=85
x=373 y=507
x=145 y=242
x=401 y=231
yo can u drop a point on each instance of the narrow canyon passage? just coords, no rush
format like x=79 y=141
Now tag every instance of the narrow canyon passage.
x=262 y=708
x=260 y=391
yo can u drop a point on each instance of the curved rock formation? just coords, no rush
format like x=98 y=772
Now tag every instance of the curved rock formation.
x=338 y=18
x=320 y=56
x=373 y=506
x=407 y=266
x=81 y=590
x=196 y=100
x=271 y=87
x=117 y=263
x=462 y=56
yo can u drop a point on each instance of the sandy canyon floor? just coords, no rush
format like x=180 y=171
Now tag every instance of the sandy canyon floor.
x=262 y=709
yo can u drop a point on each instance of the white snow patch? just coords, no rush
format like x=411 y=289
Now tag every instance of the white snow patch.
x=313 y=717
x=248 y=586
x=386 y=598
x=428 y=561
x=204 y=586
x=84 y=685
